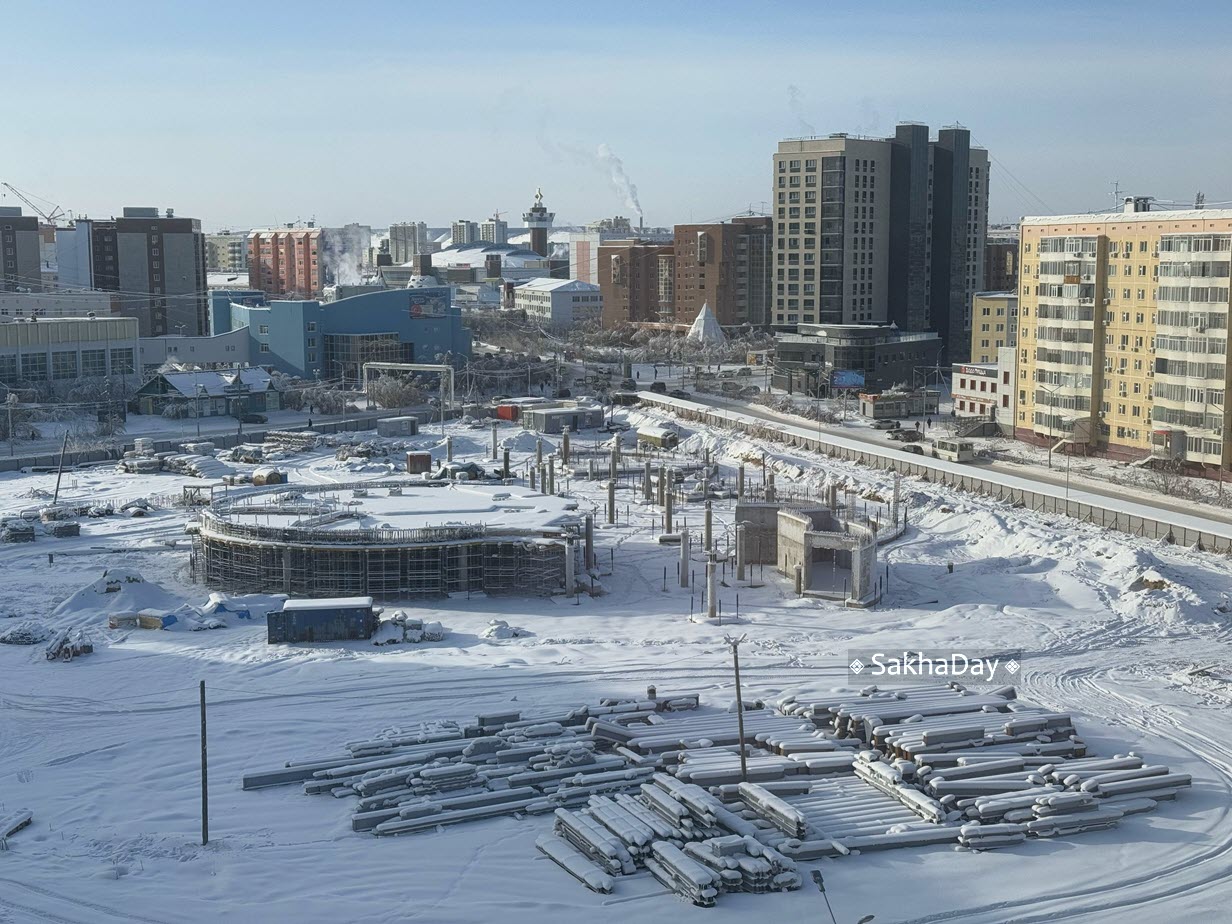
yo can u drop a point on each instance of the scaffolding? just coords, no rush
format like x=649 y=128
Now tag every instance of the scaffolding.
x=308 y=558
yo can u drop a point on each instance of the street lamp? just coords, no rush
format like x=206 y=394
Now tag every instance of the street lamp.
x=821 y=887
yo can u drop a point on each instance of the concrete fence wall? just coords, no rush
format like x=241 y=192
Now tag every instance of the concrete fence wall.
x=1159 y=527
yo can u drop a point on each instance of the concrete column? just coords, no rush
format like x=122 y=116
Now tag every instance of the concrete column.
x=832 y=496
x=799 y=580
x=449 y=449
x=564 y=446
x=684 y=558
x=669 y=505
x=741 y=539
x=895 y=501
x=591 y=466
x=538 y=451
x=570 y=578
x=611 y=501
x=614 y=465
x=709 y=532
x=740 y=481
x=532 y=479
x=662 y=485
x=712 y=603
x=495 y=425
x=551 y=469
x=589 y=556
x=770 y=487
x=646 y=484
x=505 y=467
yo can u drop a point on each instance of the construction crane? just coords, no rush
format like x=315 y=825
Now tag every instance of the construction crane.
x=50 y=216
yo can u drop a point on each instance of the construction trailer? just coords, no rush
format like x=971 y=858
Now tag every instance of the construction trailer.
x=658 y=437
x=398 y=426
x=331 y=619
x=554 y=419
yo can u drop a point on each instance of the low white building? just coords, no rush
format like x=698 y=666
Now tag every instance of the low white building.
x=66 y=349
x=985 y=389
x=57 y=304
x=559 y=302
x=228 y=349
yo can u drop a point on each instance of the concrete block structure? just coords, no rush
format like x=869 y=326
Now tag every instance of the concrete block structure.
x=994 y=324
x=20 y=251
x=559 y=303
x=835 y=556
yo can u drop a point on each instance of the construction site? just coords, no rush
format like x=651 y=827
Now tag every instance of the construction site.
x=397 y=539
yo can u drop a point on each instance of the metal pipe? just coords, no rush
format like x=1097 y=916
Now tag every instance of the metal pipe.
x=611 y=502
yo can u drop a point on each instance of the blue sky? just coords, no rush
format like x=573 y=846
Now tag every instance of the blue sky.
x=245 y=114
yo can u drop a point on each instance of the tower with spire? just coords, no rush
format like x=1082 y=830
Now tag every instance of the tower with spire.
x=539 y=220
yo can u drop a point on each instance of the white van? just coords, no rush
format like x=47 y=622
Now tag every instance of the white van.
x=955 y=450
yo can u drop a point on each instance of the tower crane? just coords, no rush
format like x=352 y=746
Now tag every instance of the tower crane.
x=50 y=216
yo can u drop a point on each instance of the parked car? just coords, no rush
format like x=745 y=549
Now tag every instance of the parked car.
x=886 y=425
x=906 y=436
x=679 y=393
x=659 y=388
x=254 y=418
x=914 y=449
x=628 y=384
x=614 y=426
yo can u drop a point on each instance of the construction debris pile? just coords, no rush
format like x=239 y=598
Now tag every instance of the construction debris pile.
x=136 y=462
x=13 y=822
x=633 y=786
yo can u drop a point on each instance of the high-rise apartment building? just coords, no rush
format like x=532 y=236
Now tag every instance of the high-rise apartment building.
x=727 y=266
x=1123 y=333
x=464 y=232
x=286 y=261
x=406 y=239
x=1001 y=259
x=494 y=230
x=155 y=263
x=226 y=252
x=631 y=277
x=20 y=257
x=880 y=231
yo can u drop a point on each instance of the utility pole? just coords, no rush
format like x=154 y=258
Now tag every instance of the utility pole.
x=735 y=647
x=60 y=469
x=205 y=794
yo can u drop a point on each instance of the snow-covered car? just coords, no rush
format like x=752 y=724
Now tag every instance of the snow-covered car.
x=914 y=449
x=886 y=425
x=614 y=426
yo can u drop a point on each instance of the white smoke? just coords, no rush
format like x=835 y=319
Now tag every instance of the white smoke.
x=620 y=180
x=343 y=252
x=797 y=109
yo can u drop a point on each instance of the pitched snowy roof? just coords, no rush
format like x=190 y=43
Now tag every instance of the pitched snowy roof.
x=706 y=327
x=558 y=285
x=217 y=382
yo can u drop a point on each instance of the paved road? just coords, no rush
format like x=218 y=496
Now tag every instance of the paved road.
x=1052 y=477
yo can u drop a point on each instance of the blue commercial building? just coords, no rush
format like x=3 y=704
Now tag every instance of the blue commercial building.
x=332 y=340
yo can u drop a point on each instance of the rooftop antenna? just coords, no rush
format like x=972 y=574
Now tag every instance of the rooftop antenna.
x=1200 y=200
x=1116 y=194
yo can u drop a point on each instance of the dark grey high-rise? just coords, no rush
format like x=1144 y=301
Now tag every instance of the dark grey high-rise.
x=881 y=231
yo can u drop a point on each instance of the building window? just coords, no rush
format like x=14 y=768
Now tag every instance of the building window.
x=265 y=348
x=263 y=329
x=122 y=362
x=312 y=326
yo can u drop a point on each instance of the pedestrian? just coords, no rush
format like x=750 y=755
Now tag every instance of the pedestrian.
x=917 y=426
x=930 y=422
x=309 y=423
x=637 y=374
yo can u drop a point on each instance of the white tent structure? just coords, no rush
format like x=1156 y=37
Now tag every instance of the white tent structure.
x=706 y=329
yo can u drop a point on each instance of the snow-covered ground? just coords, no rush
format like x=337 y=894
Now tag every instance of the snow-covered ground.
x=105 y=749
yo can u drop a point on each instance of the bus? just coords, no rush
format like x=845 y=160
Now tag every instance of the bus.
x=954 y=450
